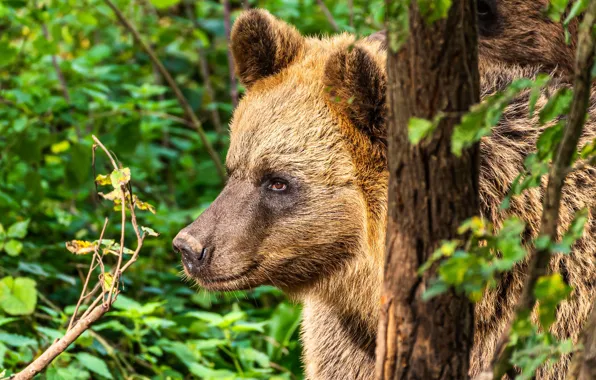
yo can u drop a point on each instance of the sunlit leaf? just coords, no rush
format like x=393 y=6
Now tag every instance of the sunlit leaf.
x=549 y=291
x=161 y=4
x=13 y=247
x=80 y=247
x=18 y=296
x=18 y=230
x=143 y=205
x=149 y=231
x=103 y=180
x=418 y=129
x=120 y=177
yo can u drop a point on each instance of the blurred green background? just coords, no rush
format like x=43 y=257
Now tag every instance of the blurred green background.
x=160 y=327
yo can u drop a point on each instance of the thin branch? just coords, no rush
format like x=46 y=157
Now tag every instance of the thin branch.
x=583 y=364
x=76 y=311
x=550 y=215
x=328 y=15
x=101 y=304
x=228 y=28
x=61 y=344
x=246 y=5
x=61 y=78
x=172 y=84
x=204 y=67
x=116 y=275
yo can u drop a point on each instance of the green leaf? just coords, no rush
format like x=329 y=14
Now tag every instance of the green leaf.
x=18 y=296
x=436 y=288
x=540 y=81
x=94 y=364
x=120 y=177
x=212 y=318
x=6 y=320
x=556 y=8
x=576 y=9
x=13 y=247
x=434 y=10
x=549 y=291
x=60 y=147
x=103 y=180
x=18 y=230
x=574 y=232
x=20 y=124
x=7 y=54
x=481 y=118
x=418 y=129
x=161 y=4
x=15 y=340
x=149 y=231
x=549 y=139
x=556 y=106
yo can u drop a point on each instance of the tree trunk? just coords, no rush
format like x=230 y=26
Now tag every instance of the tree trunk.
x=431 y=192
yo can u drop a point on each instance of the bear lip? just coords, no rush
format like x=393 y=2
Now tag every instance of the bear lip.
x=237 y=281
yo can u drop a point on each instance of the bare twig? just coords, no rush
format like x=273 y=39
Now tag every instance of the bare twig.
x=61 y=345
x=103 y=301
x=189 y=113
x=328 y=15
x=83 y=296
x=228 y=27
x=204 y=67
x=550 y=215
x=246 y=5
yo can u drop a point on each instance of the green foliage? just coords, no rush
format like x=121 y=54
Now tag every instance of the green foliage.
x=398 y=25
x=47 y=195
x=482 y=117
x=418 y=129
x=434 y=10
x=473 y=263
x=18 y=296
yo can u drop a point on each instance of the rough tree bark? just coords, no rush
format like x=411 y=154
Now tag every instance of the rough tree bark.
x=431 y=192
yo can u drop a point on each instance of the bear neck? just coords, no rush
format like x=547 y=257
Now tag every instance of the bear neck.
x=340 y=313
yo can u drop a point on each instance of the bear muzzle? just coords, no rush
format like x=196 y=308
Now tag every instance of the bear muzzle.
x=194 y=255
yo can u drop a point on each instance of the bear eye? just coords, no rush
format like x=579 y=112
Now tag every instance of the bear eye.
x=277 y=185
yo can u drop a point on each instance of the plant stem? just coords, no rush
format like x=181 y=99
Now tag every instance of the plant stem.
x=189 y=113
x=328 y=15
x=204 y=68
x=228 y=28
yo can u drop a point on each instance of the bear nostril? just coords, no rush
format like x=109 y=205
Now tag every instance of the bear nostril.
x=192 y=253
x=203 y=254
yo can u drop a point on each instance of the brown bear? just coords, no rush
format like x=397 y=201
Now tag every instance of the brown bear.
x=305 y=205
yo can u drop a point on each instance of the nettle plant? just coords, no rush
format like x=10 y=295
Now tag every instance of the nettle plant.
x=475 y=262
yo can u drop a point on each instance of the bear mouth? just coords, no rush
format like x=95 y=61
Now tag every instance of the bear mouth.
x=238 y=281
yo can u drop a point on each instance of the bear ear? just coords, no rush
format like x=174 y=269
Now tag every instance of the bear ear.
x=357 y=86
x=262 y=45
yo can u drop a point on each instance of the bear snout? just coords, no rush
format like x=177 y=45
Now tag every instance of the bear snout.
x=194 y=254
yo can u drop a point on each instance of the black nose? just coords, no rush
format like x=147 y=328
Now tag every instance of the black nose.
x=193 y=254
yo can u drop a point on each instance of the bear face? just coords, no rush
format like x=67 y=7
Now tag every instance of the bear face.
x=519 y=32
x=294 y=208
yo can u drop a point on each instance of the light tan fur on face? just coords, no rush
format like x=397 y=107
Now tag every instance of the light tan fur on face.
x=328 y=250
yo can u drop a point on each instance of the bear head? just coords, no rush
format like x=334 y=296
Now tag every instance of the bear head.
x=306 y=163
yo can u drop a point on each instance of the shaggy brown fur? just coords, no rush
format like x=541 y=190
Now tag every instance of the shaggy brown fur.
x=313 y=120
x=519 y=32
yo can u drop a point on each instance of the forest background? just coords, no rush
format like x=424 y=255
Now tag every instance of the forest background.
x=69 y=70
